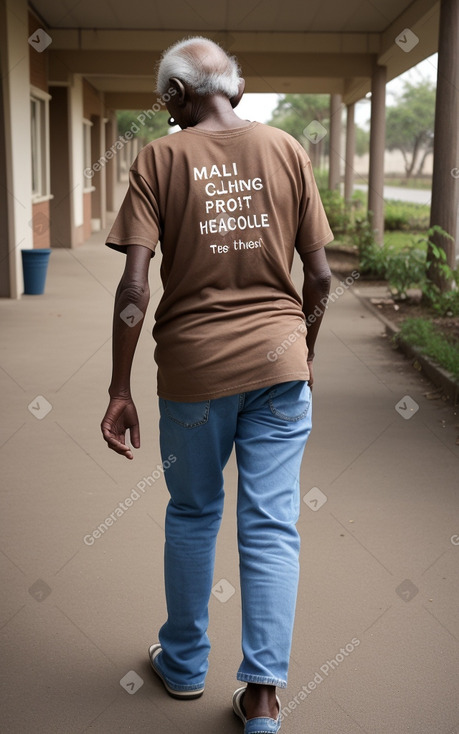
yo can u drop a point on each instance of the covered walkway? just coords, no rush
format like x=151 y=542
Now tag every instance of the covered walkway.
x=68 y=68
x=376 y=646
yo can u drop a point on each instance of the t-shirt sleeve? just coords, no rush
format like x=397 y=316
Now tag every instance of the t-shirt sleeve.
x=137 y=222
x=313 y=230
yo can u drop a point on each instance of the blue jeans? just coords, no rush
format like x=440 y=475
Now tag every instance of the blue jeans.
x=269 y=428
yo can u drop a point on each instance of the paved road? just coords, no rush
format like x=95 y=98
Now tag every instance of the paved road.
x=416 y=196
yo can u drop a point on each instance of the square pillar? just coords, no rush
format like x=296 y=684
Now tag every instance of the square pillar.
x=98 y=153
x=16 y=198
x=77 y=182
x=111 y=135
x=445 y=180
x=350 y=154
x=377 y=148
x=334 y=175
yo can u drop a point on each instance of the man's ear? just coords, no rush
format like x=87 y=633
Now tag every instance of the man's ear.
x=238 y=96
x=179 y=89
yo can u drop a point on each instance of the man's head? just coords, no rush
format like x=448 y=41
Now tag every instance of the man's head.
x=201 y=64
x=198 y=68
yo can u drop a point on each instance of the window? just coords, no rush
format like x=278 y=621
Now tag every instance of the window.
x=39 y=129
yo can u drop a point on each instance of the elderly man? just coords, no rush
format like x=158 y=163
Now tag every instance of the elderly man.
x=229 y=201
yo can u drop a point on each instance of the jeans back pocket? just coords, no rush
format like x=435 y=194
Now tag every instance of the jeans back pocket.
x=290 y=401
x=188 y=415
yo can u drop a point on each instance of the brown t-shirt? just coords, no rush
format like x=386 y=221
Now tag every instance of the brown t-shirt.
x=228 y=208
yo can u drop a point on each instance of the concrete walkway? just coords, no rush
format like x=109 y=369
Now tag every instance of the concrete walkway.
x=376 y=645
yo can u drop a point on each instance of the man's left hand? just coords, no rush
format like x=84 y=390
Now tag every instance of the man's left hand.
x=311 y=375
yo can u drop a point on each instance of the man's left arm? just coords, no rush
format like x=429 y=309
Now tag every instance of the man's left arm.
x=316 y=287
x=131 y=302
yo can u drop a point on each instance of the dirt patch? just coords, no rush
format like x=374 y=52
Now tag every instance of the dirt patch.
x=343 y=261
x=398 y=311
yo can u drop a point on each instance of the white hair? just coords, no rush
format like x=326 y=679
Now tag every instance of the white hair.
x=204 y=73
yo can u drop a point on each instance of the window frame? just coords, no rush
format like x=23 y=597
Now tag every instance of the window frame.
x=87 y=161
x=40 y=145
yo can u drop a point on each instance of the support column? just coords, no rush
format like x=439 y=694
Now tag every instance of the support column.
x=335 y=142
x=111 y=134
x=77 y=182
x=377 y=147
x=350 y=154
x=16 y=197
x=98 y=152
x=445 y=181
x=103 y=148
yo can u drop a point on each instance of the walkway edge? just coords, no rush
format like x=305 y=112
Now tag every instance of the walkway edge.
x=436 y=374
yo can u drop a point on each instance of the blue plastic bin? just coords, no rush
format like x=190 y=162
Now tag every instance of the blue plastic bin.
x=35 y=267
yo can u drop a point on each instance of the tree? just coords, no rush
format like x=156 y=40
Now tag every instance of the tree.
x=294 y=112
x=410 y=125
x=362 y=140
x=149 y=128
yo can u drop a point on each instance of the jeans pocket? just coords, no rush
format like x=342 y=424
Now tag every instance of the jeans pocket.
x=290 y=401
x=188 y=415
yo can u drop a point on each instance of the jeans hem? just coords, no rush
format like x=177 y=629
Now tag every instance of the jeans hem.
x=179 y=687
x=262 y=680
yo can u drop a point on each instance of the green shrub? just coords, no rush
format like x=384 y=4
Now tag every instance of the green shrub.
x=405 y=216
x=321 y=177
x=396 y=218
x=444 y=303
x=405 y=268
x=372 y=257
x=424 y=335
x=335 y=209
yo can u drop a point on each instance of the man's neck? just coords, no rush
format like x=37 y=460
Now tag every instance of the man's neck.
x=217 y=114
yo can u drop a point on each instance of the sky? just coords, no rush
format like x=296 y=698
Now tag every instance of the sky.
x=260 y=106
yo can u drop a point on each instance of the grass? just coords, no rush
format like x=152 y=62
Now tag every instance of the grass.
x=397 y=240
x=400 y=240
x=399 y=216
x=404 y=215
x=409 y=183
x=424 y=335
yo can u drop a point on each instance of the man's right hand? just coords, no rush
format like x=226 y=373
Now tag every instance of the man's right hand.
x=121 y=415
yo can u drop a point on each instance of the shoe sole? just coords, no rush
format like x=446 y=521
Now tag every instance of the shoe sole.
x=153 y=652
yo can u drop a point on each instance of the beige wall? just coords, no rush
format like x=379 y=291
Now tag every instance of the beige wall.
x=393 y=164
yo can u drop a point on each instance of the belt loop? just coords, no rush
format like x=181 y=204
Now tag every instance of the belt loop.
x=241 y=401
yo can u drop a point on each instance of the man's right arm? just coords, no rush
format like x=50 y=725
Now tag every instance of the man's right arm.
x=316 y=287
x=131 y=301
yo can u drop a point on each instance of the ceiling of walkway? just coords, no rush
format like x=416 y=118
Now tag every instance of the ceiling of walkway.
x=328 y=46
x=313 y=16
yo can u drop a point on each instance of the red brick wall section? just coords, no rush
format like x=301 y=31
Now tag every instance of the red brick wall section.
x=87 y=215
x=40 y=224
x=38 y=59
